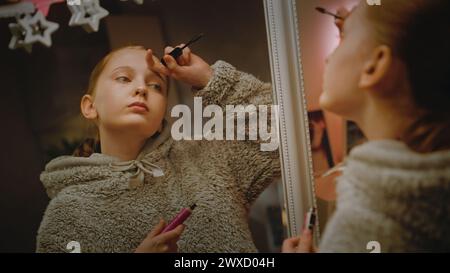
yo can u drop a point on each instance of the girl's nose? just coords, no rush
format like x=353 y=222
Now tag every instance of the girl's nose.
x=141 y=91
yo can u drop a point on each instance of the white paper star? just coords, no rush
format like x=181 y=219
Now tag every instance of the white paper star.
x=139 y=2
x=38 y=29
x=18 y=36
x=87 y=15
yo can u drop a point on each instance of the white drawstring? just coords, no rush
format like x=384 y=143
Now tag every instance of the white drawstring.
x=142 y=166
x=338 y=168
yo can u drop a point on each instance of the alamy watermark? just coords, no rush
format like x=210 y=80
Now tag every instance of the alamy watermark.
x=374 y=246
x=74 y=247
x=262 y=125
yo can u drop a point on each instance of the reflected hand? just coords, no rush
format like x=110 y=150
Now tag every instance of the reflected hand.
x=299 y=244
x=161 y=243
x=188 y=68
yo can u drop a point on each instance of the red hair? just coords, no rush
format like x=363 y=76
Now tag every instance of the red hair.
x=418 y=33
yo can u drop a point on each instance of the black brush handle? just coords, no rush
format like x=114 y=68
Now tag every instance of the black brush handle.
x=175 y=53
x=178 y=51
x=324 y=11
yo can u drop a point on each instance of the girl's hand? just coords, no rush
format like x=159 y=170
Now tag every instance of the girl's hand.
x=161 y=243
x=188 y=68
x=299 y=244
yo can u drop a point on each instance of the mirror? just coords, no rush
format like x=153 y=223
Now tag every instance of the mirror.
x=313 y=142
x=332 y=136
x=44 y=88
x=288 y=86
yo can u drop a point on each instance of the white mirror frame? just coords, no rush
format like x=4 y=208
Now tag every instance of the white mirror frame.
x=289 y=95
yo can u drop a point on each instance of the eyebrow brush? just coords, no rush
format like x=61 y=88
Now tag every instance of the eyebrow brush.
x=324 y=11
x=177 y=51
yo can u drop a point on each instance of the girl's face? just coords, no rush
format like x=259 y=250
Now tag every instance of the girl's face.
x=344 y=67
x=128 y=96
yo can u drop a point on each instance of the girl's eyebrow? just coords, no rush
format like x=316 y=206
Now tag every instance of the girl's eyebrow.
x=122 y=67
x=130 y=68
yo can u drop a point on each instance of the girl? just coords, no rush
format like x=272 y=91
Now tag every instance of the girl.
x=395 y=189
x=108 y=200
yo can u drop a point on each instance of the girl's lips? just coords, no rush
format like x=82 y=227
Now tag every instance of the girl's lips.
x=139 y=106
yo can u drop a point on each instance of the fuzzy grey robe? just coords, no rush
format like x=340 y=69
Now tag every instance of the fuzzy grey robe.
x=92 y=202
x=392 y=195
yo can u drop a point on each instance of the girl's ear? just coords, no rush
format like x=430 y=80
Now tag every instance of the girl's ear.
x=87 y=107
x=376 y=68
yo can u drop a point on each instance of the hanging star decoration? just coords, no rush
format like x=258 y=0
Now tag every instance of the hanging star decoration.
x=18 y=36
x=37 y=29
x=88 y=15
x=31 y=29
x=139 y=2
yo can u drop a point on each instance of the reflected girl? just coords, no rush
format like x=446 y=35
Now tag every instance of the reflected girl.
x=390 y=75
x=108 y=199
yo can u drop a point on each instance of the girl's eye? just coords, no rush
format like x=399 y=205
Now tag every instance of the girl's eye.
x=123 y=79
x=155 y=86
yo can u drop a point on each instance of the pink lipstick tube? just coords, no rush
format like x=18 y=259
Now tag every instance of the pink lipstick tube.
x=180 y=218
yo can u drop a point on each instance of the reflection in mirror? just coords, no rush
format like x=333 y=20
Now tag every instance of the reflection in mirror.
x=331 y=136
x=389 y=193
x=43 y=107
